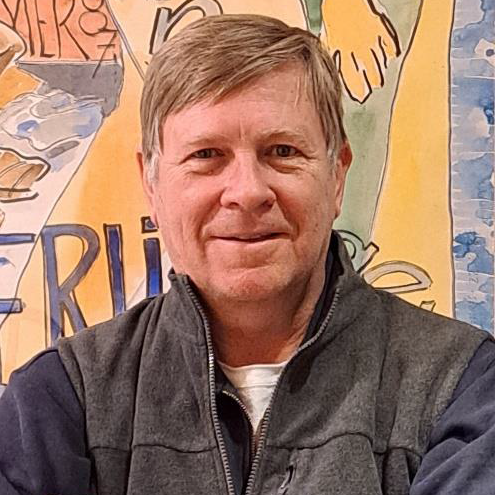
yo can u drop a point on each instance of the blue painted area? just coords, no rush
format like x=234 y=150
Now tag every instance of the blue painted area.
x=488 y=106
x=487 y=287
x=4 y=261
x=481 y=68
x=147 y=225
x=61 y=294
x=465 y=240
x=466 y=38
x=477 y=313
x=485 y=216
x=60 y=101
x=26 y=127
x=152 y=254
x=52 y=121
x=472 y=62
x=474 y=101
x=475 y=92
x=475 y=176
x=89 y=122
x=113 y=236
x=472 y=243
x=10 y=239
x=9 y=306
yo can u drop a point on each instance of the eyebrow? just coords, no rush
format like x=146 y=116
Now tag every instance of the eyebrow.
x=276 y=134
x=204 y=141
x=290 y=134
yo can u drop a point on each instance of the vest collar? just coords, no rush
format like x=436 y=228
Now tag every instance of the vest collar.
x=184 y=302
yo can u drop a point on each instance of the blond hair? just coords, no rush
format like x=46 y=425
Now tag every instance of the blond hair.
x=216 y=55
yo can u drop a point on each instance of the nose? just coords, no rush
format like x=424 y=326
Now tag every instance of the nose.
x=247 y=186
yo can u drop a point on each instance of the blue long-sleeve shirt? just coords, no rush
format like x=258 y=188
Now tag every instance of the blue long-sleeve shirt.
x=43 y=450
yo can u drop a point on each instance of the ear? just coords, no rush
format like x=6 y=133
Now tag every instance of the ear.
x=344 y=160
x=148 y=186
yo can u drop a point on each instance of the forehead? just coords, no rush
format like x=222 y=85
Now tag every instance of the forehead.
x=275 y=102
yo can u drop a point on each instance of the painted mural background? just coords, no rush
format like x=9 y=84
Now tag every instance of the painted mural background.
x=76 y=246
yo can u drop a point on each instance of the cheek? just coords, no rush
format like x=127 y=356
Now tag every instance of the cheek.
x=184 y=210
x=318 y=217
x=311 y=202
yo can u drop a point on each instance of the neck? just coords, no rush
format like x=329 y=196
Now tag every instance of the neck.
x=267 y=331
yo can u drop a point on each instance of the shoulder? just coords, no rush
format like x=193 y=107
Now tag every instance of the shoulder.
x=462 y=440
x=473 y=401
x=123 y=327
x=42 y=381
x=423 y=333
x=123 y=332
x=426 y=355
x=110 y=347
x=42 y=423
x=429 y=349
x=42 y=371
x=479 y=372
x=415 y=339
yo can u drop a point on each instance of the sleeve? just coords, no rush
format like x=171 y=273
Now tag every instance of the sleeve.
x=42 y=435
x=461 y=455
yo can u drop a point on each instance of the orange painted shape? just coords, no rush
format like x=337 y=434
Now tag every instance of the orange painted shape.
x=68 y=30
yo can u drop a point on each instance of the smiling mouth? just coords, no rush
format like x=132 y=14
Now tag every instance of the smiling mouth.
x=252 y=239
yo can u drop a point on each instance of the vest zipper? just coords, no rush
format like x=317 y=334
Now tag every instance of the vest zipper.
x=266 y=417
x=211 y=381
x=252 y=449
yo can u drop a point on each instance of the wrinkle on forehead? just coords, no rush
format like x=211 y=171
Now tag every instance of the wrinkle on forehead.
x=281 y=101
x=296 y=67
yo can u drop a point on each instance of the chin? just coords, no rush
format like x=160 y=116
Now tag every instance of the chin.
x=250 y=285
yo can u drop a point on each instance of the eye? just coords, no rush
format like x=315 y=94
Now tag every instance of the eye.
x=206 y=153
x=205 y=161
x=283 y=151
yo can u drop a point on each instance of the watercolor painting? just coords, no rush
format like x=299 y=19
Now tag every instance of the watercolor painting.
x=76 y=244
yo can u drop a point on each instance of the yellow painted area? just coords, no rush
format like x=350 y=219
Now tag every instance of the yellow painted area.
x=413 y=222
x=360 y=58
x=136 y=19
x=14 y=82
x=23 y=335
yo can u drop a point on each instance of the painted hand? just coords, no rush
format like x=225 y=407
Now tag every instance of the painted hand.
x=362 y=41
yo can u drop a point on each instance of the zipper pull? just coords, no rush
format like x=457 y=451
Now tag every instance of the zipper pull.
x=290 y=474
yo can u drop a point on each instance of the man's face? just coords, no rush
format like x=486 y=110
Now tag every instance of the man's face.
x=245 y=196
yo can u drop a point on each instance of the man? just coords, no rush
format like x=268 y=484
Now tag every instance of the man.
x=270 y=366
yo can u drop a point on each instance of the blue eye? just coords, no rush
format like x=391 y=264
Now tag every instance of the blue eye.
x=284 y=150
x=206 y=153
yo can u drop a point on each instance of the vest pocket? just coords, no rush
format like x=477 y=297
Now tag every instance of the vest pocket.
x=344 y=464
x=160 y=470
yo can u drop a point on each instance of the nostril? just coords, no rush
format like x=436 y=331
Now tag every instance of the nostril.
x=290 y=474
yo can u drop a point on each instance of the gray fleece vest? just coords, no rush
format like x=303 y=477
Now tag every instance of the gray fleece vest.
x=351 y=413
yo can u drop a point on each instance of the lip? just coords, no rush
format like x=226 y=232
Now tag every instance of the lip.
x=252 y=238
